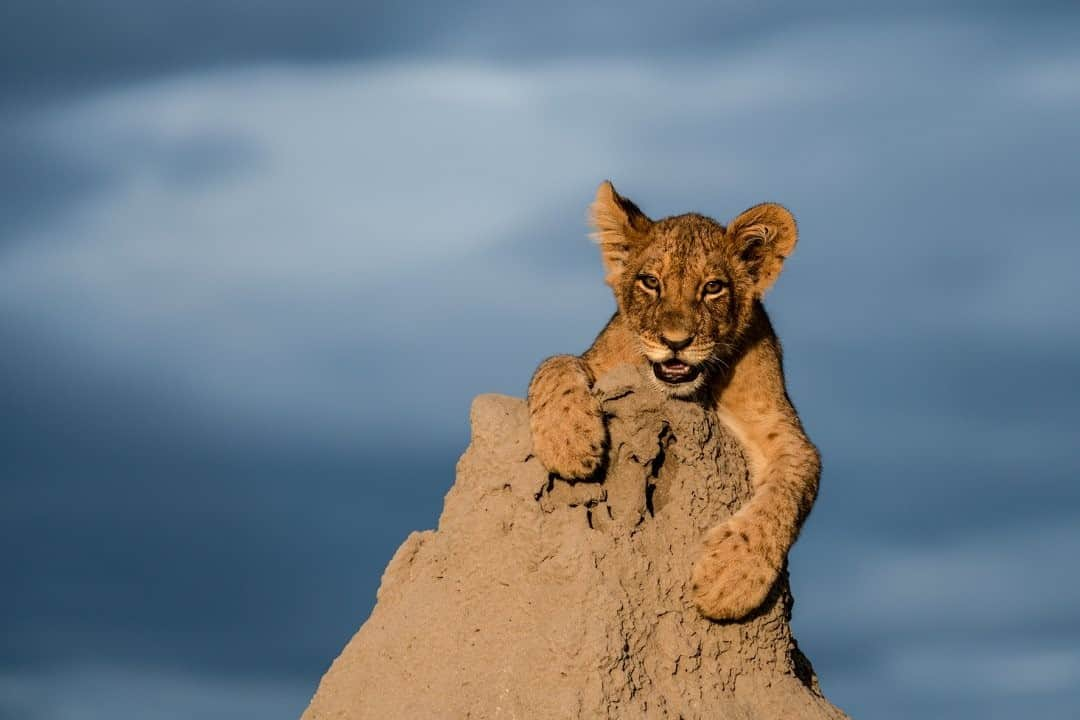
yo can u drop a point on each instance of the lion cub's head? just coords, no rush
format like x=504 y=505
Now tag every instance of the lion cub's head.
x=686 y=285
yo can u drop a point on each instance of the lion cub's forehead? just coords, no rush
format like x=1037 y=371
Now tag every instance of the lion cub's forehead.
x=689 y=232
x=691 y=242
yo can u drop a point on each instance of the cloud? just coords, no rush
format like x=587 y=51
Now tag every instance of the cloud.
x=940 y=671
x=993 y=580
x=275 y=224
x=979 y=625
x=966 y=681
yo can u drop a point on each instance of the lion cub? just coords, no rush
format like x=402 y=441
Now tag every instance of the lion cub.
x=689 y=294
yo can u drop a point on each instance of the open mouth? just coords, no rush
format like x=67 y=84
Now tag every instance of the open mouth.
x=674 y=371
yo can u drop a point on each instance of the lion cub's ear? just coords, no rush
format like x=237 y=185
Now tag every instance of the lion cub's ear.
x=763 y=237
x=620 y=226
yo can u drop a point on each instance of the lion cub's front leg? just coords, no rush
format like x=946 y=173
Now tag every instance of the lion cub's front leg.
x=565 y=418
x=744 y=555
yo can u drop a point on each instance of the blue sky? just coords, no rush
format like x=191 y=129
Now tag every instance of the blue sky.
x=254 y=264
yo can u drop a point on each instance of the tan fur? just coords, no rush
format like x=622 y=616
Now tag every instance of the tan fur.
x=667 y=312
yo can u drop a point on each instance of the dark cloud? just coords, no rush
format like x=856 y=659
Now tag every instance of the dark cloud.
x=52 y=47
x=127 y=527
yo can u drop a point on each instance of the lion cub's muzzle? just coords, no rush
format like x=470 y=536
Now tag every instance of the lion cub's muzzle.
x=675 y=372
x=679 y=365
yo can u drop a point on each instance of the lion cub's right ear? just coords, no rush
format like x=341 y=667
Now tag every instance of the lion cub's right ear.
x=619 y=226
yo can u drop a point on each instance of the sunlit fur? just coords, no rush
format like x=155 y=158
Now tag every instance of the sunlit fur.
x=658 y=272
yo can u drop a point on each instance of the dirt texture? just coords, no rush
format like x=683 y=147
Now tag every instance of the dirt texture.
x=540 y=599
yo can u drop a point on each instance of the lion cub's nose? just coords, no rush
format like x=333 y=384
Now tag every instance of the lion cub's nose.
x=676 y=341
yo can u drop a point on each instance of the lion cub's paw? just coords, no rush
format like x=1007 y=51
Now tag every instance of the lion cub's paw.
x=569 y=436
x=732 y=577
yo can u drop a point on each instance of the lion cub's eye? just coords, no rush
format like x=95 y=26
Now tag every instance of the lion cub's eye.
x=714 y=287
x=649 y=282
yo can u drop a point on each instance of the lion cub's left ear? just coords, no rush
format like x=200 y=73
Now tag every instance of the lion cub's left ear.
x=619 y=226
x=763 y=237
